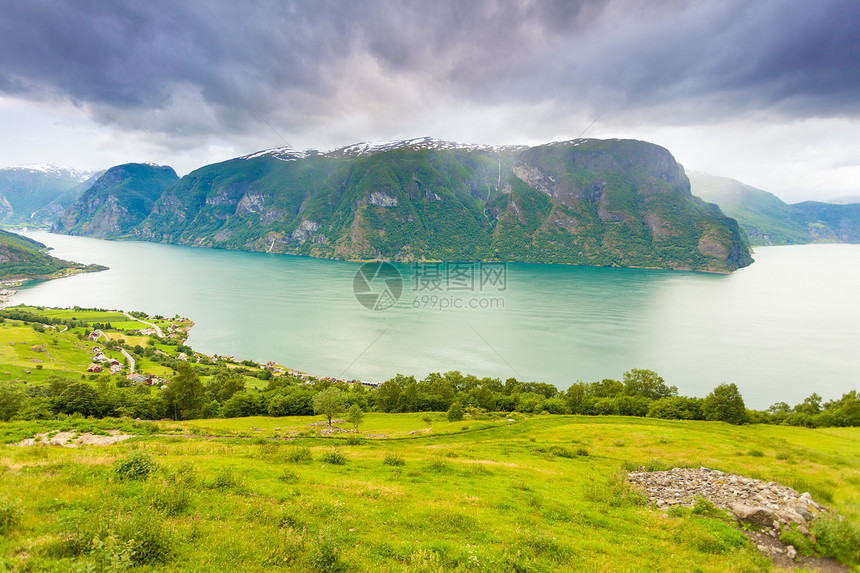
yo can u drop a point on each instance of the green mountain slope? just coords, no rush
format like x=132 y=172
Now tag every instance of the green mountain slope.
x=613 y=203
x=767 y=220
x=831 y=223
x=21 y=257
x=117 y=201
x=764 y=216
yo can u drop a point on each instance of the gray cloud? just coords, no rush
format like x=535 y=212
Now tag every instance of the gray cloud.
x=184 y=70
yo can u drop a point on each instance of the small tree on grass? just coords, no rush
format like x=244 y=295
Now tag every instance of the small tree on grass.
x=355 y=415
x=330 y=402
x=455 y=412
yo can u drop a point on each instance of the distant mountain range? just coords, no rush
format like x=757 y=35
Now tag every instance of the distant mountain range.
x=22 y=257
x=593 y=202
x=35 y=195
x=768 y=220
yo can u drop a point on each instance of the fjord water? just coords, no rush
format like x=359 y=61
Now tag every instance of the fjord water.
x=783 y=328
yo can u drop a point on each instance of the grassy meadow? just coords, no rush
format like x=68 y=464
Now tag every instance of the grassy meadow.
x=540 y=493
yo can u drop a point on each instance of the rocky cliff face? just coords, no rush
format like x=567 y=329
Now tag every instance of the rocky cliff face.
x=117 y=202
x=593 y=202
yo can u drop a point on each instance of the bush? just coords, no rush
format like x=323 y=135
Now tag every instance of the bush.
x=354 y=440
x=298 y=455
x=152 y=542
x=455 y=412
x=392 y=459
x=706 y=507
x=561 y=452
x=10 y=515
x=334 y=457
x=837 y=538
x=226 y=479
x=136 y=465
x=324 y=556
x=169 y=498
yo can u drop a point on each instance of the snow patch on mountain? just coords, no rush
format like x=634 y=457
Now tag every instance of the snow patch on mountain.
x=60 y=171
x=283 y=153
x=369 y=148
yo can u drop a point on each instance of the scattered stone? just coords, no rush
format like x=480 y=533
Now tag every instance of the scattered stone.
x=74 y=439
x=768 y=506
x=791 y=552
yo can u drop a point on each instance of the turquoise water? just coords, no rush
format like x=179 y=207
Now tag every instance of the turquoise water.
x=787 y=326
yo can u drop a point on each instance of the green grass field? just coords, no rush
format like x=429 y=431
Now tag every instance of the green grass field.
x=534 y=494
x=65 y=354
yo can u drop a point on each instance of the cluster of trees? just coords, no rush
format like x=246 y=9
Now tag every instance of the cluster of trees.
x=640 y=393
x=223 y=395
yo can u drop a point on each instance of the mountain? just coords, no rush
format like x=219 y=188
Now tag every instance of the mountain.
x=768 y=220
x=831 y=223
x=117 y=201
x=764 y=216
x=21 y=257
x=592 y=202
x=845 y=199
x=35 y=195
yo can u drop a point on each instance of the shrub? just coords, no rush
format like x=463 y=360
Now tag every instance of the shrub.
x=354 y=440
x=615 y=491
x=392 y=459
x=136 y=465
x=324 y=556
x=455 y=412
x=801 y=543
x=706 y=507
x=334 y=457
x=10 y=515
x=226 y=479
x=837 y=538
x=755 y=453
x=169 y=498
x=298 y=455
x=152 y=542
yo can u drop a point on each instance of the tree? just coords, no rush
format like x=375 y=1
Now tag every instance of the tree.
x=224 y=384
x=185 y=393
x=387 y=396
x=80 y=398
x=647 y=383
x=455 y=412
x=725 y=404
x=606 y=388
x=330 y=402
x=811 y=405
x=11 y=400
x=355 y=415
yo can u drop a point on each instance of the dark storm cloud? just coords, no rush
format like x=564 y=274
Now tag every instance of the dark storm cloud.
x=206 y=67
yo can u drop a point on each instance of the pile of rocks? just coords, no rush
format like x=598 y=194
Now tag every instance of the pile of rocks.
x=769 y=506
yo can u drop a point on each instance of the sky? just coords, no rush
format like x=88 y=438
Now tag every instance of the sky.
x=767 y=92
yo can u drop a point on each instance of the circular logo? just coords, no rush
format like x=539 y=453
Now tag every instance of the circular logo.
x=377 y=285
